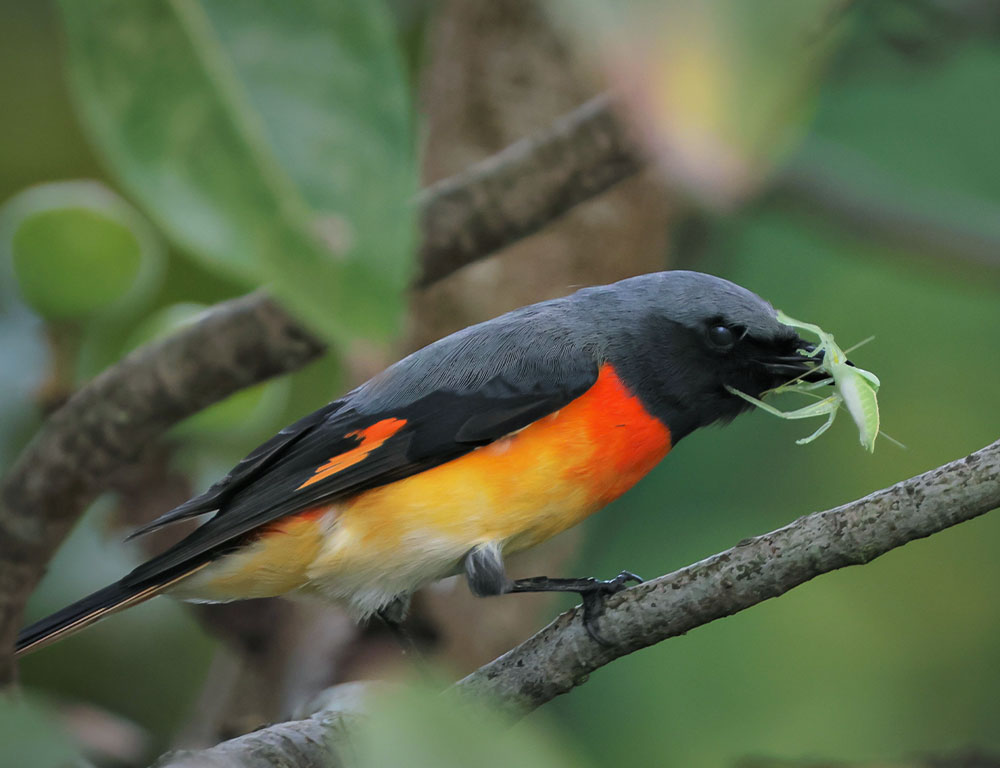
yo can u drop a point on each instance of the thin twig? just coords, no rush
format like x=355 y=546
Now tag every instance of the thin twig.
x=840 y=185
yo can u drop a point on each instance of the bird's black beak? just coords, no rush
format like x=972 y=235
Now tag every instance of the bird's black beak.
x=801 y=365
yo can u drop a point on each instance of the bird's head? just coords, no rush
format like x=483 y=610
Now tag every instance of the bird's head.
x=680 y=338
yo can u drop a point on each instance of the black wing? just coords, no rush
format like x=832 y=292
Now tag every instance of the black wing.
x=330 y=454
x=250 y=467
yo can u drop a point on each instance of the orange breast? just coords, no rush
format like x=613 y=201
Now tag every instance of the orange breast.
x=519 y=490
x=528 y=486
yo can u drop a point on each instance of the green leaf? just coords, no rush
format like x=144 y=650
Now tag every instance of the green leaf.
x=77 y=249
x=862 y=403
x=270 y=140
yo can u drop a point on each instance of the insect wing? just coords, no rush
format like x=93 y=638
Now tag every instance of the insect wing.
x=870 y=377
x=862 y=403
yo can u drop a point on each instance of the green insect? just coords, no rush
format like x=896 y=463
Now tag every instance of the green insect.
x=855 y=389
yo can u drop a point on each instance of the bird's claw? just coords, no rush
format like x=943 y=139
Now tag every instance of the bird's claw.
x=593 y=598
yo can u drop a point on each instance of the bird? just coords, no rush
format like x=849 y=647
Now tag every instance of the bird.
x=481 y=444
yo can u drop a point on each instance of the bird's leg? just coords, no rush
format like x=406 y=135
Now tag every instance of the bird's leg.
x=392 y=615
x=591 y=591
x=484 y=570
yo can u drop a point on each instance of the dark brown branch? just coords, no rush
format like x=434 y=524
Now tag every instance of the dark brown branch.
x=531 y=183
x=562 y=655
x=524 y=187
x=107 y=422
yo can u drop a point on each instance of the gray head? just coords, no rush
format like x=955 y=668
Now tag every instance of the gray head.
x=679 y=338
x=675 y=338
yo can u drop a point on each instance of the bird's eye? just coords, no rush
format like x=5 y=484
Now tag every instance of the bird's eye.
x=721 y=337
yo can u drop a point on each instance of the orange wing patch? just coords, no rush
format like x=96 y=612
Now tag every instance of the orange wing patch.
x=371 y=438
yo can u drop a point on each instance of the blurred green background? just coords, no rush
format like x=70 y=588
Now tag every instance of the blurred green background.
x=875 y=663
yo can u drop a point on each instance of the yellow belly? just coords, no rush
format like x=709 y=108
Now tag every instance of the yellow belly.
x=516 y=492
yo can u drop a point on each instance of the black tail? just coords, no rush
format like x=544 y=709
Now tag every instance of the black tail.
x=94 y=607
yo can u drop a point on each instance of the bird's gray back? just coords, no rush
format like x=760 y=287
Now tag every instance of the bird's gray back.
x=561 y=340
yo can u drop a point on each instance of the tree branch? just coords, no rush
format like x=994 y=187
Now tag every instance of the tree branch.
x=838 y=184
x=320 y=741
x=562 y=655
x=242 y=342
x=108 y=421
x=524 y=187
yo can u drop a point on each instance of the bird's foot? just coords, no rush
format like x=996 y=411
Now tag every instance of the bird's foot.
x=594 y=597
x=393 y=616
x=591 y=591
